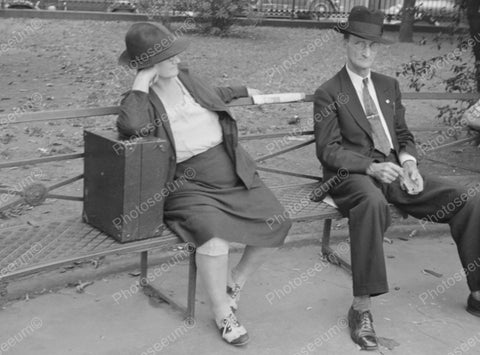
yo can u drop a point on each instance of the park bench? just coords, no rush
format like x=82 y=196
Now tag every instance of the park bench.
x=28 y=250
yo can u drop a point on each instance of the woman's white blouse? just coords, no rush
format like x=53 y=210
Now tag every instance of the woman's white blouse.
x=195 y=129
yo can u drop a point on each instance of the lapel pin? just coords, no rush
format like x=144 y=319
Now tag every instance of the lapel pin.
x=387 y=101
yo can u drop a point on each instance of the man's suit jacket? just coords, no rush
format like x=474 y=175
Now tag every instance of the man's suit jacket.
x=342 y=132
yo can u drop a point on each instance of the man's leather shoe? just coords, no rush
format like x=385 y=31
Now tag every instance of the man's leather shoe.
x=361 y=329
x=473 y=306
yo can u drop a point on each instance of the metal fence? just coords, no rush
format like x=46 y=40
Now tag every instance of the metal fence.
x=429 y=10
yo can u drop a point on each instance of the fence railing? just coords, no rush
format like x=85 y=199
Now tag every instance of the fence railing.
x=429 y=10
x=438 y=8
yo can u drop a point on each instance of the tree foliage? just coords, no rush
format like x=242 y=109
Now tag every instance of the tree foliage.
x=473 y=16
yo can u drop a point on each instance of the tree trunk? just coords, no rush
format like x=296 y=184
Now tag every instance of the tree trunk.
x=473 y=16
x=374 y=4
x=408 y=17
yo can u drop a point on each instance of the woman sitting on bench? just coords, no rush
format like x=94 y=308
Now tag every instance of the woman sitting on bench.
x=220 y=197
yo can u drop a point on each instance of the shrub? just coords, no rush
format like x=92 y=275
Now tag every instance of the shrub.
x=217 y=16
x=156 y=10
x=461 y=77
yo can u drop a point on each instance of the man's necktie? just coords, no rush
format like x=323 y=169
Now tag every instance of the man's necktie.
x=380 y=139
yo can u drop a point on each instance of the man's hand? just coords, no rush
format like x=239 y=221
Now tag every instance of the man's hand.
x=411 y=180
x=385 y=172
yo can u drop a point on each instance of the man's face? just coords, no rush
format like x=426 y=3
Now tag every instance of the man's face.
x=360 y=52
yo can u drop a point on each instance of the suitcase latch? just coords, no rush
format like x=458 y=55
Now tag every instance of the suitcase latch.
x=162 y=147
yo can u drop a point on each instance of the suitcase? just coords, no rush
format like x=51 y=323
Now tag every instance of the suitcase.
x=124 y=185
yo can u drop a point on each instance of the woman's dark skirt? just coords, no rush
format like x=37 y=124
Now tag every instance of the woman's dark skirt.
x=211 y=201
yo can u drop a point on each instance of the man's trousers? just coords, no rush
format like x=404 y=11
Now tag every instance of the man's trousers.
x=365 y=201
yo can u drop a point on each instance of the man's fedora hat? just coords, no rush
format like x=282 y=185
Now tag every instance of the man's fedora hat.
x=148 y=44
x=364 y=23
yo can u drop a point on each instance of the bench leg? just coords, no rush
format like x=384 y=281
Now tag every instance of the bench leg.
x=3 y=292
x=143 y=267
x=158 y=295
x=192 y=286
x=327 y=227
x=327 y=250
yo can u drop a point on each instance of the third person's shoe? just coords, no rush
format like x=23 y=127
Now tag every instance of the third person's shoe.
x=473 y=306
x=361 y=329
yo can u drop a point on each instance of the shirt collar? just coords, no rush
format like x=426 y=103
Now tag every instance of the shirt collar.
x=356 y=79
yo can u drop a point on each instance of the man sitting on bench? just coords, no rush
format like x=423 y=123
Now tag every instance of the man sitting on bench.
x=359 y=124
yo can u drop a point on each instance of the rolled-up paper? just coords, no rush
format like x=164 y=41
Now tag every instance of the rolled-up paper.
x=411 y=187
x=472 y=116
x=278 y=98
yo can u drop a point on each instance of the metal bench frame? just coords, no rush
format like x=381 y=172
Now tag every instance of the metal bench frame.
x=72 y=241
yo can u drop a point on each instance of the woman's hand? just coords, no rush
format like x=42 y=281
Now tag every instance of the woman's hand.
x=252 y=92
x=144 y=79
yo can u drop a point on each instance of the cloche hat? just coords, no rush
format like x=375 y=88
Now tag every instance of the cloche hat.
x=148 y=44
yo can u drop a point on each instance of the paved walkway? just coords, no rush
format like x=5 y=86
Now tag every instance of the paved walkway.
x=295 y=305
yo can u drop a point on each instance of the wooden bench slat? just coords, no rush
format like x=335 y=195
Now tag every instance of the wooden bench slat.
x=65 y=197
x=65 y=182
x=64 y=114
x=440 y=96
x=286 y=150
x=41 y=160
x=274 y=135
x=288 y=173
x=454 y=143
x=27 y=117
